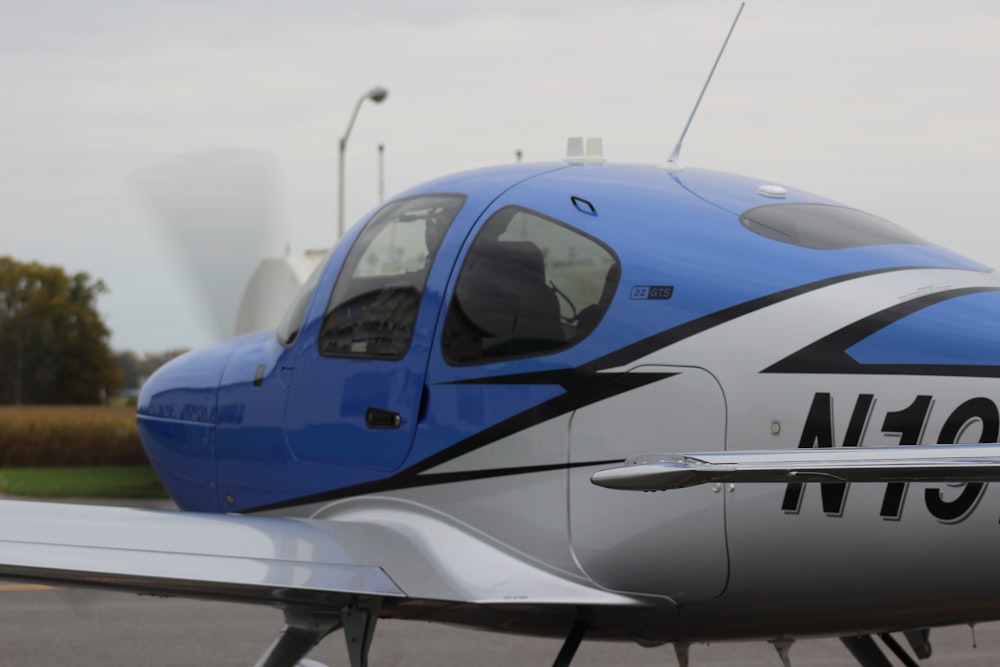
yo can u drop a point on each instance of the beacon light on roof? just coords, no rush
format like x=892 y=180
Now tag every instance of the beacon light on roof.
x=580 y=152
x=775 y=191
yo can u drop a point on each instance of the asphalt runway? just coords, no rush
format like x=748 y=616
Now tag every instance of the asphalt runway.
x=88 y=628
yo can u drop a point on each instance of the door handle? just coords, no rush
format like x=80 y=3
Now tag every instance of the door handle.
x=378 y=418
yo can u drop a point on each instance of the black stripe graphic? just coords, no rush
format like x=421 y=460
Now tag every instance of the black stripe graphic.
x=584 y=385
x=414 y=481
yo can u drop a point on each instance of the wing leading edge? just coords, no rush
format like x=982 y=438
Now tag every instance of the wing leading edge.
x=934 y=463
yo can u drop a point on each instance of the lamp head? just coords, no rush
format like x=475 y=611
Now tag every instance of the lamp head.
x=377 y=94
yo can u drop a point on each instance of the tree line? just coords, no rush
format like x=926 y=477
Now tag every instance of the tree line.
x=54 y=345
x=136 y=368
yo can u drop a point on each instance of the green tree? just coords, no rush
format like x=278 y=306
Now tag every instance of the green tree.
x=136 y=370
x=53 y=343
x=128 y=364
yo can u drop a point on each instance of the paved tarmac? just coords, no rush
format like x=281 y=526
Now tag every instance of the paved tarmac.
x=43 y=626
x=87 y=628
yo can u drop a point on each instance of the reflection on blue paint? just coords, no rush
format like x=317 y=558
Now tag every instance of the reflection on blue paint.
x=960 y=331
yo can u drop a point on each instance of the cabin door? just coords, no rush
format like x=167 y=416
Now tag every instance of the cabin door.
x=355 y=397
x=671 y=543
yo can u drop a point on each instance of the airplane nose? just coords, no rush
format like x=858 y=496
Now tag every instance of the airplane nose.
x=177 y=416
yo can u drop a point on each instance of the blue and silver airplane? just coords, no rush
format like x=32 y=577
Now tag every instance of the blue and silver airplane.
x=455 y=418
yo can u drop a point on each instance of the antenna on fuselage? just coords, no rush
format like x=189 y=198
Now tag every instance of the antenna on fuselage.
x=672 y=162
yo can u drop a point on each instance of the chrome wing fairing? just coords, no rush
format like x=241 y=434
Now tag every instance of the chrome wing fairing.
x=389 y=551
x=934 y=463
x=224 y=557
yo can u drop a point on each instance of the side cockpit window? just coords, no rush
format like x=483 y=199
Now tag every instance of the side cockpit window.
x=529 y=285
x=374 y=305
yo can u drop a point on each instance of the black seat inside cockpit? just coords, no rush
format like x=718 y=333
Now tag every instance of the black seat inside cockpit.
x=504 y=305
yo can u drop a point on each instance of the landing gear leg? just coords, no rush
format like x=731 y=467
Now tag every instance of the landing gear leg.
x=868 y=654
x=866 y=651
x=304 y=630
x=359 y=627
x=572 y=643
x=301 y=633
x=898 y=650
x=920 y=642
x=783 y=646
x=683 y=651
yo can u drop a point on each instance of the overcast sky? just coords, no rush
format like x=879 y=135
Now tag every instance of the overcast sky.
x=891 y=106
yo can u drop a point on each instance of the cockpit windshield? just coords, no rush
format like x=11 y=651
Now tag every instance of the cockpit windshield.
x=291 y=323
x=374 y=305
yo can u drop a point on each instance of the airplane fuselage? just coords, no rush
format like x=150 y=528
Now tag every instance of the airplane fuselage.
x=453 y=391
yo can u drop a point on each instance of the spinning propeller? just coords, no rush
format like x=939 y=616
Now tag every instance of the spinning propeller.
x=217 y=206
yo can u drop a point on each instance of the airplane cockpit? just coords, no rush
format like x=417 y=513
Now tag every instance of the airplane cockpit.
x=529 y=285
x=376 y=299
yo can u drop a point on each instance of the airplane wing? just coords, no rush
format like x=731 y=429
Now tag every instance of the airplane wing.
x=389 y=551
x=370 y=560
x=232 y=558
x=934 y=463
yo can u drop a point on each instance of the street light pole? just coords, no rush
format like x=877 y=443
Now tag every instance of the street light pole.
x=381 y=173
x=377 y=95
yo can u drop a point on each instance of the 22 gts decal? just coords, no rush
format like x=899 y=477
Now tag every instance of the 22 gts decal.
x=651 y=292
x=908 y=424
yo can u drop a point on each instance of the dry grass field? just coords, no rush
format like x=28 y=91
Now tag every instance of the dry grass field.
x=43 y=436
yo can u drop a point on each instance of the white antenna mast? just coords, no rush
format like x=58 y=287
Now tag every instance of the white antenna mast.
x=672 y=160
